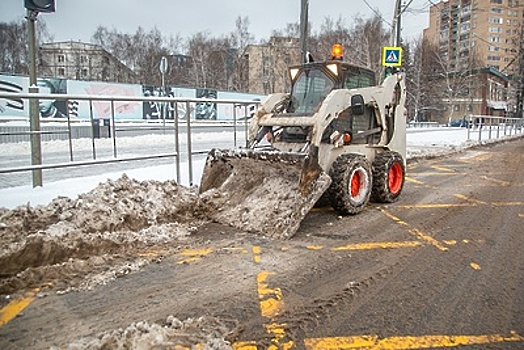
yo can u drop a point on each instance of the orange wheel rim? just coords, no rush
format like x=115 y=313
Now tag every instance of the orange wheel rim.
x=355 y=184
x=395 y=178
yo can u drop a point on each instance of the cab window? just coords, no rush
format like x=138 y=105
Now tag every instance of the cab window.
x=310 y=89
x=357 y=78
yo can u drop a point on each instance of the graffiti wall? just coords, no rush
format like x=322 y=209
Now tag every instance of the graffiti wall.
x=11 y=108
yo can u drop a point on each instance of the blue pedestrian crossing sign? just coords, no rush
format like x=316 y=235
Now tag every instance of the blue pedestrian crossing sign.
x=392 y=56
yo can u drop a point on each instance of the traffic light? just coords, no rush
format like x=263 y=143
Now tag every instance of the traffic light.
x=40 y=5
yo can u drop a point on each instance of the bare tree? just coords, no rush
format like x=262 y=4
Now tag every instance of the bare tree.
x=14 y=57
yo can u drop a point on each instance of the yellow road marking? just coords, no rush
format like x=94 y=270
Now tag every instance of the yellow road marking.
x=193 y=255
x=196 y=252
x=424 y=174
x=373 y=342
x=8 y=312
x=420 y=183
x=458 y=205
x=245 y=345
x=469 y=199
x=271 y=305
x=378 y=245
x=446 y=170
x=500 y=182
x=475 y=266
x=314 y=247
x=256 y=254
x=521 y=215
x=416 y=182
x=416 y=232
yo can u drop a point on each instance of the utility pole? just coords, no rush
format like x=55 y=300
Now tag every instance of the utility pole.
x=396 y=30
x=33 y=8
x=34 y=113
x=304 y=6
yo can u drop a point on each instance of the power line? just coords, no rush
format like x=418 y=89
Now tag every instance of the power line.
x=377 y=13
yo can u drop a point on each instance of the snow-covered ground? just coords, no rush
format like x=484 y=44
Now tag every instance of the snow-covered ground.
x=421 y=142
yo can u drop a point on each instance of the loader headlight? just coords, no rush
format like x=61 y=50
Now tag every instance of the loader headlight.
x=293 y=73
x=333 y=68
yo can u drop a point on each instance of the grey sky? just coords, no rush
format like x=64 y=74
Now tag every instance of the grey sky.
x=78 y=19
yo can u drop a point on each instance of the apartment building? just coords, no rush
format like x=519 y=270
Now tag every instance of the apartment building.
x=267 y=64
x=474 y=34
x=488 y=32
x=82 y=61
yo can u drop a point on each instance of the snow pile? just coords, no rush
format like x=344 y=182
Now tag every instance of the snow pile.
x=201 y=333
x=110 y=225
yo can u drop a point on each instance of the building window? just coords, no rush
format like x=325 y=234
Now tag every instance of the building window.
x=61 y=58
x=84 y=59
x=496 y=20
x=495 y=30
x=85 y=72
x=496 y=10
x=496 y=1
x=494 y=39
x=61 y=72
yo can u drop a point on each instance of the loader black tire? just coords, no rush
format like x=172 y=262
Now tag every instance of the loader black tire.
x=389 y=174
x=351 y=184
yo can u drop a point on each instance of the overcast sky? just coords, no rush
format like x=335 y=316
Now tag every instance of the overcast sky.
x=78 y=19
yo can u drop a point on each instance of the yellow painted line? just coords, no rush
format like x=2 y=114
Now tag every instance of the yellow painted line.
x=314 y=247
x=188 y=260
x=446 y=170
x=483 y=157
x=507 y=204
x=521 y=215
x=245 y=345
x=424 y=174
x=378 y=245
x=450 y=242
x=434 y=206
x=500 y=182
x=373 y=342
x=394 y=218
x=8 y=312
x=416 y=182
x=256 y=254
x=469 y=199
x=236 y=250
x=475 y=266
x=196 y=252
x=152 y=253
x=271 y=303
x=458 y=205
x=193 y=255
x=271 y=300
x=416 y=232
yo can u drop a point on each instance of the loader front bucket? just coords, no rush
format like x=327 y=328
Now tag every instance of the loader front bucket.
x=267 y=192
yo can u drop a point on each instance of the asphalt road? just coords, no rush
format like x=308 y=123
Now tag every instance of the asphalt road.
x=443 y=267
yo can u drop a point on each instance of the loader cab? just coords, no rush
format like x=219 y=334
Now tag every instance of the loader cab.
x=312 y=82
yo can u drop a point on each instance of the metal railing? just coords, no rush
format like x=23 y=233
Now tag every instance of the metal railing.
x=115 y=128
x=489 y=127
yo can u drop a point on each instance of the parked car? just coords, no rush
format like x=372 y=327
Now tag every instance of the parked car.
x=463 y=123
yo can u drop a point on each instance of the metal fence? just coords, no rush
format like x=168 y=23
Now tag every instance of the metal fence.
x=114 y=128
x=485 y=127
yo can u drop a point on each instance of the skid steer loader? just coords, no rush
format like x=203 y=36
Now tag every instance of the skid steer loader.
x=336 y=137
